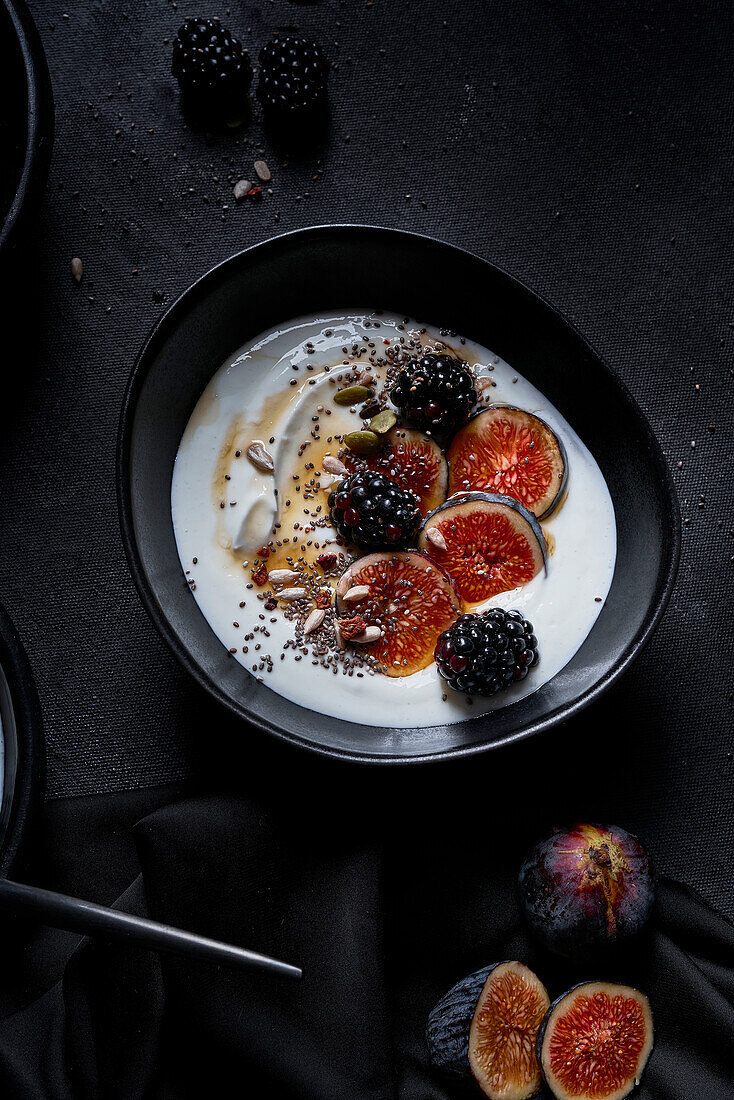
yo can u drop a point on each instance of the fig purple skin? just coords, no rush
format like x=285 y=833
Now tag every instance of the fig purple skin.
x=587 y=888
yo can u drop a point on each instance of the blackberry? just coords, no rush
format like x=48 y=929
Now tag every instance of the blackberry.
x=293 y=77
x=483 y=654
x=372 y=511
x=213 y=71
x=435 y=392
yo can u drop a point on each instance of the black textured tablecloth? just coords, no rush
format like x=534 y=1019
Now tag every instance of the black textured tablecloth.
x=586 y=149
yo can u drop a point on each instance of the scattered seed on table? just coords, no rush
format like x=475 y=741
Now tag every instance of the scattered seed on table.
x=263 y=172
x=77 y=269
x=241 y=188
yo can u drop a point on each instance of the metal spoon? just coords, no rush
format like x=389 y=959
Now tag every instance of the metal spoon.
x=75 y=915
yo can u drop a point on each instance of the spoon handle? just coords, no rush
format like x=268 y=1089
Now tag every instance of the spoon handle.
x=75 y=915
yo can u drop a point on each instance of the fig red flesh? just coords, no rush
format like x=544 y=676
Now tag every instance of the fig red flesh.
x=486 y=543
x=595 y=1042
x=413 y=460
x=410 y=599
x=587 y=887
x=509 y=451
x=504 y=1030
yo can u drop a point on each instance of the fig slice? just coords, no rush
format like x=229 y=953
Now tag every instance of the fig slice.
x=486 y=543
x=413 y=460
x=504 y=1031
x=409 y=598
x=486 y=1026
x=508 y=451
x=595 y=1042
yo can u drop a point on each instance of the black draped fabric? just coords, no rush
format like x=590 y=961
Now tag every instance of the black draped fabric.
x=380 y=929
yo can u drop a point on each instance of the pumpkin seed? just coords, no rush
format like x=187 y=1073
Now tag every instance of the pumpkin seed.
x=383 y=422
x=363 y=443
x=351 y=395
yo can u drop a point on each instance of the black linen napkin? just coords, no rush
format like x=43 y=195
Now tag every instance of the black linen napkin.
x=382 y=925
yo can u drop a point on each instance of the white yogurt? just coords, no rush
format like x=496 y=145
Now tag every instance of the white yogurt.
x=224 y=509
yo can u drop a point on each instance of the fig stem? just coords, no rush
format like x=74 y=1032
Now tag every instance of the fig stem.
x=600 y=857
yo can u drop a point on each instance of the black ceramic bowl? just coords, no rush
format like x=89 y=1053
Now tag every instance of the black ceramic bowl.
x=23 y=757
x=26 y=119
x=344 y=266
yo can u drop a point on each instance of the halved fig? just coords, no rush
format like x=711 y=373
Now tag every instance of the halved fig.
x=595 y=1042
x=449 y=1023
x=408 y=597
x=487 y=1026
x=504 y=1031
x=413 y=460
x=486 y=543
x=509 y=451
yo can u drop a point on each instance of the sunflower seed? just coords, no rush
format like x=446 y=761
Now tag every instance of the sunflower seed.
x=263 y=172
x=434 y=535
x=314 y=620
x=344 y=584
x=292 y=593
x=333 y=465
x=339 y=639
x=369 y=634
x=261 y=458
x=77 y=269
x=351 y=395
x=282 y=576
x=354 y=595
x=241 y=188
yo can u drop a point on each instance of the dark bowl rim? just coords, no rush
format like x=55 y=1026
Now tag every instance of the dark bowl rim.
x=29 y=771
x=39 y=121
x=156 y=337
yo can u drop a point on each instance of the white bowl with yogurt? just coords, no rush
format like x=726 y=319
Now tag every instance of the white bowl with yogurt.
x=270 y=394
